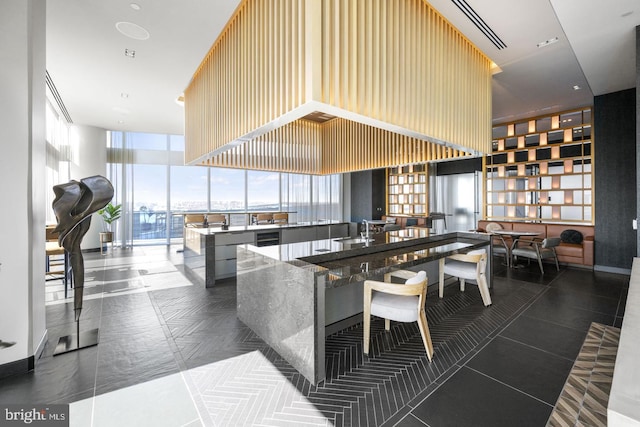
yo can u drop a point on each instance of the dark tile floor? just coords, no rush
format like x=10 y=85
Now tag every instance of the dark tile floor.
x=176 y=353
x=517 y=377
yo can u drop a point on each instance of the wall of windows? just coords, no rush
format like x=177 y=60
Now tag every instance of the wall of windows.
x=58 y=156
x=156 y=189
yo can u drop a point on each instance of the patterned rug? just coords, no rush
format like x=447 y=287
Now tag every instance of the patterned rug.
x=584 y=398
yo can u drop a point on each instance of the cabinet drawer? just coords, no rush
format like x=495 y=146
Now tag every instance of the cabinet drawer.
x=225 y=268
x=225 y=252
x=301 y=234
x=339 y=230
x=322 y=232
x=235 y=238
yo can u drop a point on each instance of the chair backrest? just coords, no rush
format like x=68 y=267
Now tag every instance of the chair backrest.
x=51 y=235
x=280 y=218
x=264 y=218
x=551 y=242
x=191 y=219
x=475 y=256
x=418 y=278
x=216 y=219
x=493 y=226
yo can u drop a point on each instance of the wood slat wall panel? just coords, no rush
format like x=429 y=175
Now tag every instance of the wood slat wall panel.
x=337 y=146
x=432 y=80
x=397 y=62
x=253 y=74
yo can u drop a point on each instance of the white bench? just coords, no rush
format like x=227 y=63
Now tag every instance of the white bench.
x=624 y=399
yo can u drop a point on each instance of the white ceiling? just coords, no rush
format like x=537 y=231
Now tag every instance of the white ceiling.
x=86 y=61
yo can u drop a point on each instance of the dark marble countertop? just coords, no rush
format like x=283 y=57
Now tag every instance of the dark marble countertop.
x=348 y=260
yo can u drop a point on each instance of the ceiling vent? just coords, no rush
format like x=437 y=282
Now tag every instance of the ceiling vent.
x=479 y=22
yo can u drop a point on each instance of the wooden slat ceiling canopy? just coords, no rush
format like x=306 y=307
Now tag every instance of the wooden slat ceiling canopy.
x=331 y=86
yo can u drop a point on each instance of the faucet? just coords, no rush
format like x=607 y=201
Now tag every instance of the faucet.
x=366 y=228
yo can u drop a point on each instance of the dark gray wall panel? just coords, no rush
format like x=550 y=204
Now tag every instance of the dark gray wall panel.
x=615 y=178
x=368 y=192
x=360 y=196
x=378 y=193
x=637 y=133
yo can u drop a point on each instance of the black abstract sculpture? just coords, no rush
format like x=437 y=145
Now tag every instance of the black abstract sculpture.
x=73 y=206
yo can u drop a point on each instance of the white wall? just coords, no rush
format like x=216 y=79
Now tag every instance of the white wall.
x=22 y=181
x=88 y=145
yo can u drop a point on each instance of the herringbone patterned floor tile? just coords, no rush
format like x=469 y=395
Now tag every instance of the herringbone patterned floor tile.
x=238 y=380
x=584 y=399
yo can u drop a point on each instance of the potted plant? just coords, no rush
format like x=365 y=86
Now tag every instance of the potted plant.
x=109 y=214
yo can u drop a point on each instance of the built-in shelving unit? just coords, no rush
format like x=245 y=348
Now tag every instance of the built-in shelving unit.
x=407 y=190
x=541 y=169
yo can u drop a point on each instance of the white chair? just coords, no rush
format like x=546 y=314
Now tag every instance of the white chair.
x=470 y=266
x=398 y=302
x=537 y=249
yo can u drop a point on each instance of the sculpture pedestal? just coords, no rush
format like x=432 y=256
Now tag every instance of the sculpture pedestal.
x=77 y=341
x=105 y=237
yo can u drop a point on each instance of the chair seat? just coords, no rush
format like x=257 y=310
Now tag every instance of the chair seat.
x=400 y=308
x=463 y=270
x=499 y=250
x=530 y=252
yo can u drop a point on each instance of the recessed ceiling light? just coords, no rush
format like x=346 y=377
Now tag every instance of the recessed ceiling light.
x=124 y=95
x=130 y=53
x=135 y=6
x=120 y=110
x=547 y=42
x=132 y=30
x=576 y=87
x=120 y=121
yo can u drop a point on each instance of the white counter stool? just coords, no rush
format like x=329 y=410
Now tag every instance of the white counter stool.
x=470 y=266
x=398 y=302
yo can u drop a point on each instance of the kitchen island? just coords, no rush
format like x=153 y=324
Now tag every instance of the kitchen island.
x=210 y=252
x=293 y=295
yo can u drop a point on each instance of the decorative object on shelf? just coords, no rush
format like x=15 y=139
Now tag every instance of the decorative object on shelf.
x=73 y=206
x=541 y=169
